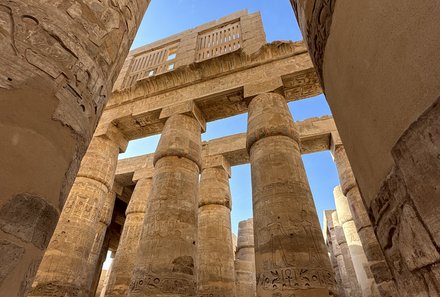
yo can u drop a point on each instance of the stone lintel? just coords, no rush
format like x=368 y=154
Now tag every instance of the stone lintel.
x=143 y=173
x=117 y=188
x=217 y=161
x=260 y=87
x=315 y=136
x=110 y=131
x=335 y=142
x=188 y=108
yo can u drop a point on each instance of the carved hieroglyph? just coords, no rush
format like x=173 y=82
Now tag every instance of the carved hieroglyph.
x=290 y=254
x=64 y=268
x=124 y=261
x=58 y=62
x=215 y=264
x=166 y=260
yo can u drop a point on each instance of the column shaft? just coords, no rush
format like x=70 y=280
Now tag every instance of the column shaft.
x=348 y=274
x=290 y=252
x=245 y=284
x=59 y=60
x=167 y=253
x=215 y=274
x=376 y=260
x=64 y=269
x=95 y=258
x=98 y=268
x=124 y=261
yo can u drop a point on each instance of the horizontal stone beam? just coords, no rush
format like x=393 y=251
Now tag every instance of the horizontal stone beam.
x=315 y=136
x=218 y=86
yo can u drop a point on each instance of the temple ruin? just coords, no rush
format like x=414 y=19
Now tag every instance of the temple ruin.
x=166 y=217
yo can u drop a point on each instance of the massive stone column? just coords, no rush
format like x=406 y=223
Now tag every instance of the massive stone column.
x=165 y=265
x=329 y=238
x=63 y=270
x=245 y=284
x=360 y=262
x=342 y=253
x=290 y=253
x=124 y=261
x=215 y=256
x=58 y=62
x=373 y=252
x=97 y=254
x=387 y=109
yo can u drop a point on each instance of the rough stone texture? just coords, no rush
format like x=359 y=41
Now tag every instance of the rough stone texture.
x=334 y=252
x=376 y=260
x=64 y=269
x=245 y=278
x=167 y=253
x=290 y=253
x=216 y=85
x=97 y=253
x=349 y=279
x=58 y=62
x=360 y=262
x=124 y=262
x=215 y=257
x=403 y=214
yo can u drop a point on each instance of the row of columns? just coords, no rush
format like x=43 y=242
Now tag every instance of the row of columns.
x=177 y=239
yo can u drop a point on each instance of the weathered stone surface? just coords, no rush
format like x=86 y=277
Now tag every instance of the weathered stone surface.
x=215 y=257
x=245 y=280
x=124 y=261
x=165 y=263
x=360 y=262
x=64 y=268
x=58 y=64
x=348 y=274
x=288 y=239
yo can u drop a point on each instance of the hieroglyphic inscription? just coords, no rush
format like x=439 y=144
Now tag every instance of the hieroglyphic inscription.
x=151 y=282
x=292 y=278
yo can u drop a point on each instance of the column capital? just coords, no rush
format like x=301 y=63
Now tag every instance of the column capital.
x=189 y=108
x=111 y=132
x=216 y=161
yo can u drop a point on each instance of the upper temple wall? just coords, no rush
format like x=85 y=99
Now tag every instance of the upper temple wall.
x=225 y=35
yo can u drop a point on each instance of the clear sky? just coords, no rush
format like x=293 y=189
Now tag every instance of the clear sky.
x=167 y=17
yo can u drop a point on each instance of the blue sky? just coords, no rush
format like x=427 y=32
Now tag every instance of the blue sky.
x=167 y=17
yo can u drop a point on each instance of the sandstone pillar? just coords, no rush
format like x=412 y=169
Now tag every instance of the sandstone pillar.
x=124 y=261
x=387 y=109
x=329 y=238
x=245 y=284
x=63 y=270
x=290 y=252
x=167 y=253
x=98 y=268
x=215 y=275
x=97 y=254
x=59 y=60
x=372 y=249
x=342 y=253
x=360 y=262
x=106 y=280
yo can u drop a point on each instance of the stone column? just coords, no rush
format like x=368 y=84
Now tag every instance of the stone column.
x=63 y=270
x=329 y=238
x=373 y=252
x=215 y=256
x=106 y=279
x=97 y=254
x=124 y=261
x=98 y=268
x=245 y=284
x=342 y=253
x=360 y=262
x=167 y=252
x=290 y=253
x=59 y=62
